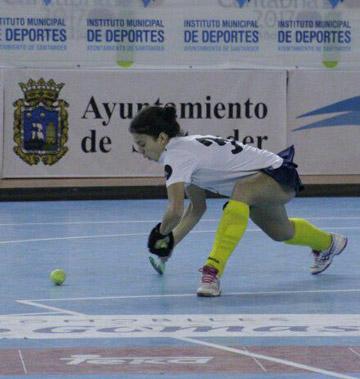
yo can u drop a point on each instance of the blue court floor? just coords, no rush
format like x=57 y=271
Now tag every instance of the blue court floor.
x=115 y=317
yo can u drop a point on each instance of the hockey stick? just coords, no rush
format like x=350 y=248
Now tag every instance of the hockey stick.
x=157 y=264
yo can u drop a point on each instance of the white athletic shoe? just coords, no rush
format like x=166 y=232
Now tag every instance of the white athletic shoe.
x=323 y=259
x=210 y=283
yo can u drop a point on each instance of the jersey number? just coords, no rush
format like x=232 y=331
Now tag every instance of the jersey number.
x=208 y=141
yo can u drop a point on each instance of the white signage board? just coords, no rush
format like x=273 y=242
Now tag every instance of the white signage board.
x=74 y=123
x=324 y=121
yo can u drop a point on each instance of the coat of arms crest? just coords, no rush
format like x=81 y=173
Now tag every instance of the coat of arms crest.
x=40 y=123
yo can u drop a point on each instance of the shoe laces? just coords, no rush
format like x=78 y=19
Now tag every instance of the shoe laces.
x=209 y=274
x=316 y=254
x=322 y=256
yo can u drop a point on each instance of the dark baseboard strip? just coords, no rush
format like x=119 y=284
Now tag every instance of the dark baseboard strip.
x=151 y=192
x=331 y=190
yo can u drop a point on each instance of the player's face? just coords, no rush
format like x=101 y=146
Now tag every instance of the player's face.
x=150 y=147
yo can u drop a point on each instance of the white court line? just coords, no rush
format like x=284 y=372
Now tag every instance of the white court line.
x=267 y=358
x=83 y=222
x=256 y=361
x=29 y=314
x=354 y=351
x=334 y=218
x=192 y=295
x=73 y=238
x=149 y=221
x=94 y=236
x=22 y=362
x=59 y=310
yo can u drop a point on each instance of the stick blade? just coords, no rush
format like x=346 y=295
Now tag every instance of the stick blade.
x=158 y=265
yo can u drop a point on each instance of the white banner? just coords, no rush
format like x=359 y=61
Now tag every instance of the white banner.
x=178 y=33
x=75 y=123
x=324 y=121
x=173 y=326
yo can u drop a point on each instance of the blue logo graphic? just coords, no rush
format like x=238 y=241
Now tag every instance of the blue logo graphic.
x=242 y=2
x=41 y=130
x=146 y=2
x=334 y=3
x=47 y=2
x=350 y=114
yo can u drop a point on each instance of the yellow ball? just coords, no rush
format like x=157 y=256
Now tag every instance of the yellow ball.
x=125 y=64
x=330 y=64
x=58 y=276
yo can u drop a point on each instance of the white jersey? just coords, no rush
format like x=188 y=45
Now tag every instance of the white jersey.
x=213 y=163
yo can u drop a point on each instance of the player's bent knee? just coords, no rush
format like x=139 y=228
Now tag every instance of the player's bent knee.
x=280 y=236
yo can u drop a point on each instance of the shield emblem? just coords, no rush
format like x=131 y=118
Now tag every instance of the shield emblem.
x=41 y=123
x=41 y=131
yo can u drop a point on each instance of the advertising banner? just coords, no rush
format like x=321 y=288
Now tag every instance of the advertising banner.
x=74 y=123
x=324 y=120
x=180 y=33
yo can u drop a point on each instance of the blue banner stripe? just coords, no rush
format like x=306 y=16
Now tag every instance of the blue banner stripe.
x=348 y=105
x=351 y=118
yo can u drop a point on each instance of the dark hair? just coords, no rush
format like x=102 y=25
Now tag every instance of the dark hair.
x=153 y=120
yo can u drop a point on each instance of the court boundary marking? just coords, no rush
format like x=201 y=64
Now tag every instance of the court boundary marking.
x=94 y=236
x=22 y=362
x=49 y=307
x=267 y=358
x=245 y=293
x=150 y=221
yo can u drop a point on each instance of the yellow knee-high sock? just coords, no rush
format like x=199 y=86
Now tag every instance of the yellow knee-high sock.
x=231 y=228
x=307 y=234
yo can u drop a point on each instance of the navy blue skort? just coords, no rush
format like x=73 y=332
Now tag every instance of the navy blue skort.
x=287 y=173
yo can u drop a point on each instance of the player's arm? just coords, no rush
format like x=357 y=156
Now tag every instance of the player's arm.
x=175 y=208
x=192 y=214
x=176 y=223
x=161 y=238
